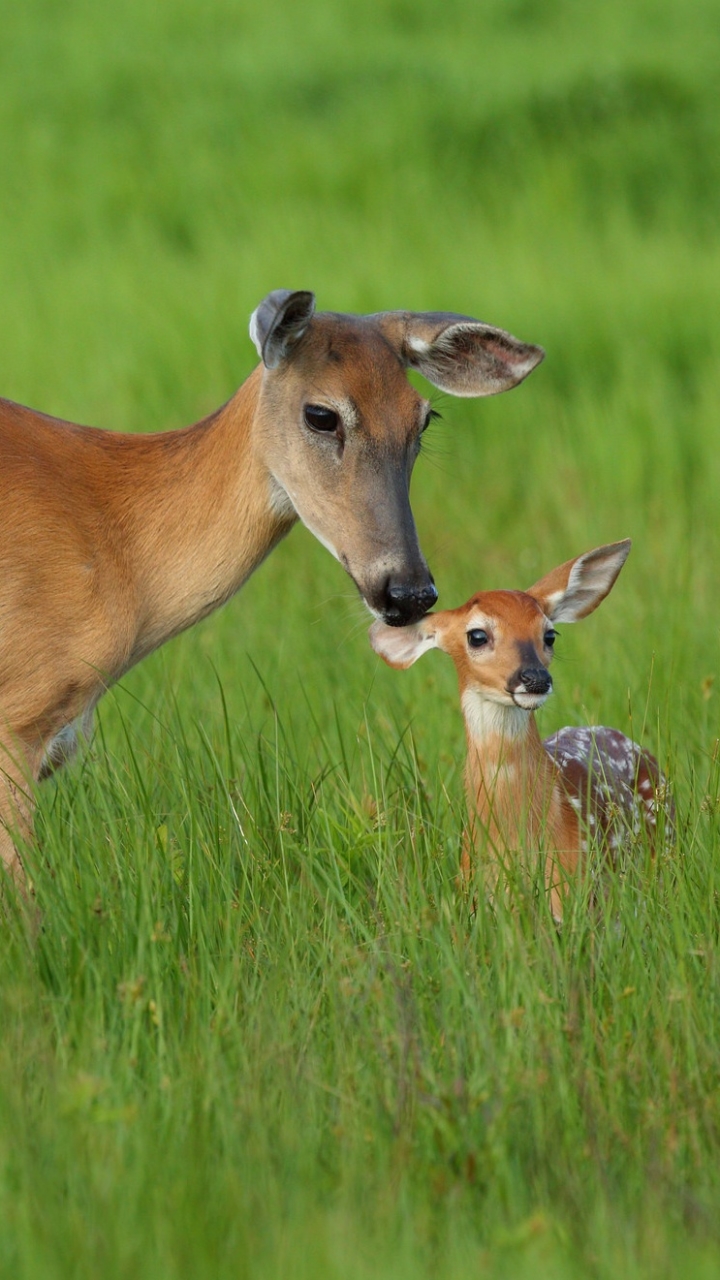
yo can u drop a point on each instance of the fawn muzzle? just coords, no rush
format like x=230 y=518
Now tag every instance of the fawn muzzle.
x=535 y=680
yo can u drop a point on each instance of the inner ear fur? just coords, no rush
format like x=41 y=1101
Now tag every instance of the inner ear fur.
x=400 y=647
x=460 y=355
x=576 y=588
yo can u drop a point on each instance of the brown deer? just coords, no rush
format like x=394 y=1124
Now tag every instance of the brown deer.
x=112 y=543
x=526 y=796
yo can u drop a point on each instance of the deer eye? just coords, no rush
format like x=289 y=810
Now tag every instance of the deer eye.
x=477 y=638
x=550 y=637
x=319 y=418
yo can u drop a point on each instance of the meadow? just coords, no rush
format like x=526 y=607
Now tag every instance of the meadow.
x=258 y=1031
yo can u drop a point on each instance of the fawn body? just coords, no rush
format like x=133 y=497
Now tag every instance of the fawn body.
x=112 y=543
x=526 y=796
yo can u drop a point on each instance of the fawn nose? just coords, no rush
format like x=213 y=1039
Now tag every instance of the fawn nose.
x=404 y=604
x=534 y=680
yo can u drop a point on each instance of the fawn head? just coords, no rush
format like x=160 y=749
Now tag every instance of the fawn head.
x=340 y=427
x=502 y=641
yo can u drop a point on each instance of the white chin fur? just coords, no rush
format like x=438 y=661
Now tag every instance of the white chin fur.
x=530 y=701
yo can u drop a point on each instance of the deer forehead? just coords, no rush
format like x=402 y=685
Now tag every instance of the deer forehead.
x=509 y=615
x=512 y=620
x=347 y=362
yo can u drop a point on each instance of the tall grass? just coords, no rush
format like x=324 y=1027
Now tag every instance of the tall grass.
x=256 y=1028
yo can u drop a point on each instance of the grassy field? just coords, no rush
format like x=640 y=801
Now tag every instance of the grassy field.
x=258 y=1033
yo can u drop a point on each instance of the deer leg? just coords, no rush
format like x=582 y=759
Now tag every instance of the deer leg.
x=466 y=857
x=16 y=809
x=553 y=887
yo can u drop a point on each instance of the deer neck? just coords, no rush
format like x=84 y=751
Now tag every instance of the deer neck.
x=510 y=779
x=202 y=513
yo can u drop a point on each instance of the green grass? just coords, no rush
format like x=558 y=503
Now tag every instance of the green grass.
x=257 y=1031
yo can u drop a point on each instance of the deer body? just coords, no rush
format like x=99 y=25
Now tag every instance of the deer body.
x=527 y=797
x=110 y=544
x=139 y=537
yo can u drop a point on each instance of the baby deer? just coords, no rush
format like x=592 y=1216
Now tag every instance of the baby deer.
x=525 y=795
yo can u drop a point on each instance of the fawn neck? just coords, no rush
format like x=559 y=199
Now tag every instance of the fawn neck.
x=200 y=518
x=510 y=779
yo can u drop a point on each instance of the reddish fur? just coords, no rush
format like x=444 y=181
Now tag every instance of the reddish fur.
x=524 y=795
x=520 y=796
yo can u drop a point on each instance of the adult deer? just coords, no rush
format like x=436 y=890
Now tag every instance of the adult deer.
x=110 y=543
x=524 y=795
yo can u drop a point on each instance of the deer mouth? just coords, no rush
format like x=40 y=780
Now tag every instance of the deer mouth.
x=399 y=604
x=529 y=701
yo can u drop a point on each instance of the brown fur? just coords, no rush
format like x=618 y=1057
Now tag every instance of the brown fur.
x=525 y=796
x=110 y=543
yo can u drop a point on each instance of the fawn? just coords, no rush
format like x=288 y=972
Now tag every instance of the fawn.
x=525 y=795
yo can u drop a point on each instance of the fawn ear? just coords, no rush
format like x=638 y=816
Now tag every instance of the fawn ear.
x=577 y=587
x=458 y=354
x=279 y=322
x=401 y=646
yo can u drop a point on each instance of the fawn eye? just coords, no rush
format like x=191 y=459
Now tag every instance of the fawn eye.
x=550 y=637
x=319 y=418
x=477 y=638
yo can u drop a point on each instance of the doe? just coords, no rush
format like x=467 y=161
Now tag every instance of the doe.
x=111 y=543
x=525 y=795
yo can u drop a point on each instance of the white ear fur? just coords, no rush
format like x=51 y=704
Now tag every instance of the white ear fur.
x=279 y=322
x=401 y=646
x=590 y=578
x=467 y=358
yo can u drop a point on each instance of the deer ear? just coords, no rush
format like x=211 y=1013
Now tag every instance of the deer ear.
x=279 y=322
x=460 y=355
x=577 y=587
x=401 y=646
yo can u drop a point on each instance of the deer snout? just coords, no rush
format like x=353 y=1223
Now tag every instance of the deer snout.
x=533 y=680
x=404 y=603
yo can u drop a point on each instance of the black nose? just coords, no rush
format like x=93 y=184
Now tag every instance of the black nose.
x=405 y=604
x=535 y=679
